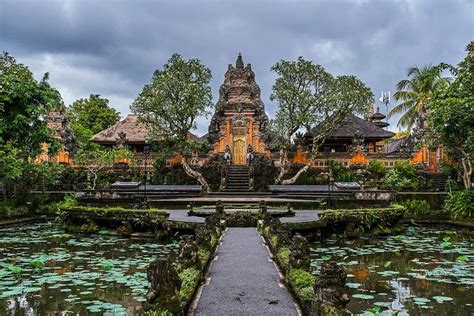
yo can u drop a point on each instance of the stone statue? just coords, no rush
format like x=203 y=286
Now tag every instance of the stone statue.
x=188 y=252
x=299 y=252
x=250 y=154
x=203 y=236
x=329 y=289
x=227 y=155
x=165 y=284
x=220 y=209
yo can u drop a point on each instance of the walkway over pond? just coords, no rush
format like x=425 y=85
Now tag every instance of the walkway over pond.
x=243 y=281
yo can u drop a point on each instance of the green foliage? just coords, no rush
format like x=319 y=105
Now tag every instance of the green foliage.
x=15 y=270
x=415 y=93
x=402 y=177
x=376 y=168
x=107 y=266
x=461 y=203
x=451 y=117
x=284 y=256
x=96 y=160
x=416 y=206
x=308 y=97
x=90 y=116
x=190 y=278
x=174 y=98
x=24 y=102
x=21 y=176
x=302 y=282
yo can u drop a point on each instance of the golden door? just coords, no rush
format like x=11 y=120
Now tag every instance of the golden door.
x=239 y=152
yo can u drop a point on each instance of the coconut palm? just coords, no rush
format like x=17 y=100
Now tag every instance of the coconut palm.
x=415 y=91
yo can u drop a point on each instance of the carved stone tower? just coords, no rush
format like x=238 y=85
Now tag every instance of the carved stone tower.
x=239 y=119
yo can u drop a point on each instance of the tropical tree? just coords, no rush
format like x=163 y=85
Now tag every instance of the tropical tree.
x=96 y=160
x=171 y=102
x=451 y=118
x=309 y=97
x=24 y=102
x=415 y=92
x=90 y=116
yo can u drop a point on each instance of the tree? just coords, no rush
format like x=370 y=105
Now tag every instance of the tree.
x=451 y=118
x=309 y=97
x=90 y=116
x=415 y=93
x=97 y=159
x=172 y=101
x=24 y=102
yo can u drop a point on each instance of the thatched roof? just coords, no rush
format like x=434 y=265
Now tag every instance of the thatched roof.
x=353 y=124
x=136 y=132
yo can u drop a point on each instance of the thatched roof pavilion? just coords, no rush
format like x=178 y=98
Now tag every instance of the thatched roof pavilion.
x=136 y=132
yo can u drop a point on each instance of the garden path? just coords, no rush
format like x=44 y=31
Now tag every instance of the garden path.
x=243 y=280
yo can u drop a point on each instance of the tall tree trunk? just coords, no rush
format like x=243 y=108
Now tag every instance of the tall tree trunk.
x=283 y=166
x=467 y=172
x=196 y=175
x=300 y=172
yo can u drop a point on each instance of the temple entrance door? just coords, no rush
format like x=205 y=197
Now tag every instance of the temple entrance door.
x=239 y=153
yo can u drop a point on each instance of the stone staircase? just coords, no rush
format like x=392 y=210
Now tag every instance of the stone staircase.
x=238 y=179
x=438 y=181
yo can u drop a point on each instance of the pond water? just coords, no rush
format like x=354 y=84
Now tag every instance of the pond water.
x=423 y=271
x=44 y=271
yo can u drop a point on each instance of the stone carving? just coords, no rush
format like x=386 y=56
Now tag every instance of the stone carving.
x=299 y=252
x=227 y=155
x=203 y=236
x=188 y=252
x=58 y=122
x=358 y=143
x=220 y=209
x=121 y=141
x=238 y=94
x=165 y=284
x=284 y=236
x=329 y=289
x=274 y=225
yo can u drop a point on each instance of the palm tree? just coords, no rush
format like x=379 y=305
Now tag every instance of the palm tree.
x=415 y=92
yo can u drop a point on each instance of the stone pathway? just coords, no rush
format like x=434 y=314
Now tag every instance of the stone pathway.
x=243 y=281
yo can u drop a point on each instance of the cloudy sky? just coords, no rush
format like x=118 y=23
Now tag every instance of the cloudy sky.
x=112 y=47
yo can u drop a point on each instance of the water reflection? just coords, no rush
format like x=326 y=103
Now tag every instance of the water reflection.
x=44 y=271
x=425 y=270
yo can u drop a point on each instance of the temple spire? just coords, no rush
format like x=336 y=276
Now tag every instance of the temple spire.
x=239 y=63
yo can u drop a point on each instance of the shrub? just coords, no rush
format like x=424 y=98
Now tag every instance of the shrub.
x=461 y=203
x=396 y=180
x=346 y=176
x=406 y=169
x=377 y=169
x=284 y=256
x=189 y=279
x=302 y=282
x=416 y=206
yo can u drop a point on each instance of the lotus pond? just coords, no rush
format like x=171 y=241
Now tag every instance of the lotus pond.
x=424 y=271
x=44 y=271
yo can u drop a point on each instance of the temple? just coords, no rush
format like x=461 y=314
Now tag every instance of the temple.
x=239 y=124
x=239 y=120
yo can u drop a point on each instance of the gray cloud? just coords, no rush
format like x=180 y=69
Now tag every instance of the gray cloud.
x=112 y=47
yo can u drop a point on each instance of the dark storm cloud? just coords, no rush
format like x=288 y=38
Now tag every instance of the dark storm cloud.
x=112 y=47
